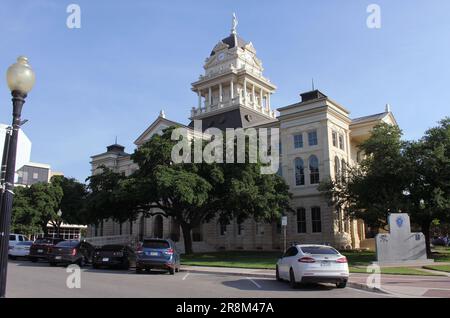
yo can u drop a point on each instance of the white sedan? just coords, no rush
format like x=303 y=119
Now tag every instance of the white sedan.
x=313 y=264
x=21 y=249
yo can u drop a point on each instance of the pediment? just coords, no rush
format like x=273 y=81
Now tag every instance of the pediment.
x=156 y=127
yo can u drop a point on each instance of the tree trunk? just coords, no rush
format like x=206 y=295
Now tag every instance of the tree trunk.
x=425 y=228
x=186 y=228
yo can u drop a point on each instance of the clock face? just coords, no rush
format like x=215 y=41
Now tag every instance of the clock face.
x=221 y=56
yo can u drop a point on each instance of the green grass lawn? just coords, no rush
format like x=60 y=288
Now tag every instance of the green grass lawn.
x=442 y=268
x=441 y=254
x=267 y=260
x=240 y=259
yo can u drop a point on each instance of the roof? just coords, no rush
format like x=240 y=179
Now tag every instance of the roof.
x=232 y=41
x=369 y=118
x=158 y=120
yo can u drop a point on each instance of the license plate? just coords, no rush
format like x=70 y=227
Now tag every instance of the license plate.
x=325 y=263
x=40 y=251
x=152 y=253
x=57 y=257
x=105 y=259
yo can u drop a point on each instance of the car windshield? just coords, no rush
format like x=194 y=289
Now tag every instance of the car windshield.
x=319 y=250
x=26 y=243
x=67 y=244
x=110 y=248
x=12 y=237
x=158 y=244
x=44 y=241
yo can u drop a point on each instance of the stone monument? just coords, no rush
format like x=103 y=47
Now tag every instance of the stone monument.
x=400 y=246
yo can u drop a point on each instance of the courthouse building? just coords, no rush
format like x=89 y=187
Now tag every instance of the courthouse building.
x=318 y=139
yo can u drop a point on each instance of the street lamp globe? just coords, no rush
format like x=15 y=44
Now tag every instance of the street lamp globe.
x=20 y=76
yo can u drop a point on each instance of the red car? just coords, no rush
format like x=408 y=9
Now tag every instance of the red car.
x=41 y=248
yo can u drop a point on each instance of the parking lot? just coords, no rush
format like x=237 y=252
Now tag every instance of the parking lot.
x=26 y=279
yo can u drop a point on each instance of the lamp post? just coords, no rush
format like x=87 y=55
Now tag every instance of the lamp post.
x=20 y=78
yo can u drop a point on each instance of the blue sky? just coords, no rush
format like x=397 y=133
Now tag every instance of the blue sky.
x=132 y=58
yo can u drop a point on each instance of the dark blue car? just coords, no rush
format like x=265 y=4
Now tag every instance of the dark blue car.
x=157 y=253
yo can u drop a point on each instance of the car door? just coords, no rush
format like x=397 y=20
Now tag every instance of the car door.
x=286 y=261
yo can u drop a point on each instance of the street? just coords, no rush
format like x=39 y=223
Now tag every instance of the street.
x=26 y=279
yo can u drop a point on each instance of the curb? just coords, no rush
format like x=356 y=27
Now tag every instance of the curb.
x=201 y=271
x=355 y=285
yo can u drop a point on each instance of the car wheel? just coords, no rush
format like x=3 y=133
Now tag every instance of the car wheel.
x=341 y=284
x=292 y=281
x=12 y=257
x=33 y=260
x=277 y=274
x=172 y=271
x=177 y=270
x=52 y=264
x=95 y=266
x=138 y=270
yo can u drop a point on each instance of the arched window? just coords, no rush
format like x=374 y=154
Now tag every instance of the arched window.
x=299 y=172
x=344 y=169
x=313 y=170
x=337 y=166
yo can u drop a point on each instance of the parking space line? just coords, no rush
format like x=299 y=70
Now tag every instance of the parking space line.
x=256 y=284
x=186 y=276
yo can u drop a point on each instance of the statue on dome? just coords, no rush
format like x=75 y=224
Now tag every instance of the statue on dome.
x=234 y=24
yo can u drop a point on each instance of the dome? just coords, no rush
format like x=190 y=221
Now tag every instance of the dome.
x=232 y=41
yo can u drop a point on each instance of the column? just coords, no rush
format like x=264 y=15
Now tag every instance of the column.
x=255 y=105
x=261 y=98
x=231 y=89
x=220 y=93
x=268 y=100
x=209 y=97
x=245 y=91
x=199 y=99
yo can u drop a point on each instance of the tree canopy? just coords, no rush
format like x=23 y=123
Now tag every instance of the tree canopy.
x=397 y=176
x=190 y=193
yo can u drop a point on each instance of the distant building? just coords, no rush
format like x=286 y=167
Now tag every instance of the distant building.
x=23 y=147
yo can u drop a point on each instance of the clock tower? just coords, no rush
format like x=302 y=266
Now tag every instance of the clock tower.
x=233 y=92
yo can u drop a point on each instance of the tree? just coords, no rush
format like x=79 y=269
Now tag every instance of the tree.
x=427 y=169
x=24 y=217
x=45 y=199
x=191 y=193
x=374 y=188
x=73 y=199
x=398 y=176
x=108 y=198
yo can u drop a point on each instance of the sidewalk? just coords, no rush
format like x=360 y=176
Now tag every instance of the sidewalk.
x=396 y=285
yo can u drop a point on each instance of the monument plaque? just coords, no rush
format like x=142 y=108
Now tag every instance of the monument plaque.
x=400 y=246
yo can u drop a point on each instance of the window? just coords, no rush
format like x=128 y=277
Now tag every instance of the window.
x=240 y=228
x=313 y=170
x=280 y=170
x=334 y=137
x=223 y=228
x=337 y=166
x=291 y=251
x=316 y=220
x=343 y=168
x=339 y=218
x=298 y=141
x=35 y=175
x=299 y=172
x=301 y=220
x=259 y=228
x=312 y=138
x=341 y=142
x=319 y=250
x=280 y=149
